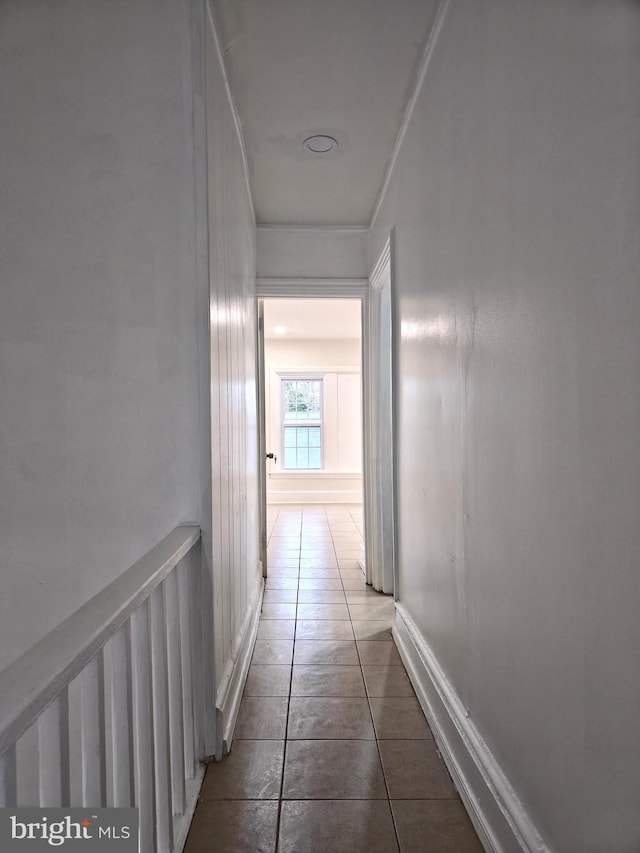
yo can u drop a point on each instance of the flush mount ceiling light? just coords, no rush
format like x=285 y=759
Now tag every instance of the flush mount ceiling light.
x=320 y=144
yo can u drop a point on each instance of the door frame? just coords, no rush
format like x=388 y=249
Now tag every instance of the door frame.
x=363 y=289
x=379 y=415
x=262 y=447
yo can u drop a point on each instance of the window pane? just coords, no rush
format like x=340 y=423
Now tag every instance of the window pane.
x=314 y=457
x=290 y=457
x=301 y=399
x=302 y=406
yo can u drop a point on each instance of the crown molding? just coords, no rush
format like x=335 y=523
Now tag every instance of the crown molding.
x=411 y=103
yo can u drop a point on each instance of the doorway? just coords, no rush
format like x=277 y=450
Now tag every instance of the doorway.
x=313 y=401
x=310 y=383
x=374 y=305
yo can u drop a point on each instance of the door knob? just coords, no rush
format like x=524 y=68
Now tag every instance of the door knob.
x=272 y=456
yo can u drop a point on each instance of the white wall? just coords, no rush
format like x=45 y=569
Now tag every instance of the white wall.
x=101 y=356
x=284 y=252
x=341 y=478
x=122 y=314
x=517 y=235
x=236 y=577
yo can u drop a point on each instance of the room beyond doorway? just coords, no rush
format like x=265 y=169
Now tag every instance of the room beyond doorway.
x=313 y=400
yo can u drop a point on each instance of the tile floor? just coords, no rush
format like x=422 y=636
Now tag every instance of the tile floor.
x=331 y=752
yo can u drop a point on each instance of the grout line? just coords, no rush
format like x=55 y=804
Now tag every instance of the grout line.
x=286 y=727
x=377 y=739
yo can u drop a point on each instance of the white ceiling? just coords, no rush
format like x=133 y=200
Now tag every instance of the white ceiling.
x=339 y=67
x=312 y=318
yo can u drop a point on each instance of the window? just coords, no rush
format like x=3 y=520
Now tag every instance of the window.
x=302 y=423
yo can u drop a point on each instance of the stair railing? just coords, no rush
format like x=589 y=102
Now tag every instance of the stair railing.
x=107 y=709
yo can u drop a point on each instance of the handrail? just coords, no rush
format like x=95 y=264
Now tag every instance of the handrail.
x=32 y=682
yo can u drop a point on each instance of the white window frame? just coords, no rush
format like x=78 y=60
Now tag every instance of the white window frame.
x=285 y=376
x=329 y=470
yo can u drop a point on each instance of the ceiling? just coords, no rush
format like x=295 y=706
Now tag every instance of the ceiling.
x=311 y=319
x=303 y=67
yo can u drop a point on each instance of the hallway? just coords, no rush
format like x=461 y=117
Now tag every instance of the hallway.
x=331 y=749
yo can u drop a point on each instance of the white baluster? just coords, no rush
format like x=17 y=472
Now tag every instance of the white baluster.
x=142 y=727
x=94 y=782
x=203 y=681
x=53 y=741
x=122 y=718
x=186 y=634
x=159 y=689
x=174 y=670
x=8 y=778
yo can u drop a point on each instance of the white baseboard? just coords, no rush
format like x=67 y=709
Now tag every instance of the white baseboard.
x=235 y=675
x=182 y=823
x=499 y=817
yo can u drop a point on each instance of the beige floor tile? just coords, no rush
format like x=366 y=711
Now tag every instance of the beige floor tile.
x=285 y=595
x=320 y=583
x=276 y=563
x=323 y=629
x=272 y=651
x=283 y=571
x=276 y=629
x=322 y=610
x=414 y=770
x=251 y=771
x=355 y=583
x=348 y=564
x=318 y=563
x=336 y=826
x=333 y=769
x=281 y=583
x=377 y=610
x=235 y=826
x=262 y=718
x=362 y=596
x=370 y=629
x=342 y=652
x=327 y=680
x=389 y=681
x=399 y=717
x=283 y=556
x=317 y=718
x=434 y=826
x=378 y=653
x=278 y=610
x=352 y=575
x=268 y=680
x=317 y=550
x=328 y=596
x=320 y=573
